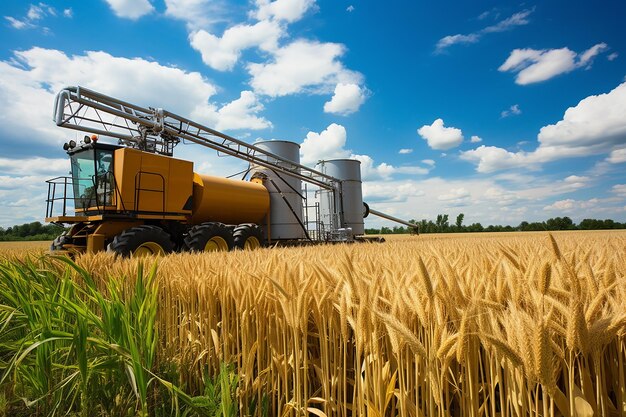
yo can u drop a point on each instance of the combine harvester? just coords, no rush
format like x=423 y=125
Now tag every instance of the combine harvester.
x=134 y=198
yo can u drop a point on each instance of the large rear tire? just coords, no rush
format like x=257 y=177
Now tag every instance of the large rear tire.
x=209 y=237
x=142 y=241
x=248 y=236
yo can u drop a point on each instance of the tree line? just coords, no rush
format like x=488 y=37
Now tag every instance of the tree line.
x=30 y=231
x=442 y=225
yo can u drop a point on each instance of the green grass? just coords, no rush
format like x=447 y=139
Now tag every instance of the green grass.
x=68 y=348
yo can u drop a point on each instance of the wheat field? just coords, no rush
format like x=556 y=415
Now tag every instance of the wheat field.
x=464 y=325
x=507 y=324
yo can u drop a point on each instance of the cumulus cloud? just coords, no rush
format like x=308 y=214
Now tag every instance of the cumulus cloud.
x=32 y=166
x=287 y=10
x=347 y=99
x=301 y=66
x=476 y=139
x=328 y=144
x=514 y=110
x=429 y=162
x=29 y=81
x=440 y=137
x=532 y=65
x=197 y=14
x=223 y=53
x=595 y=126
x=131 y=9
x=405 y=151
x=241 y=113
x=456 y=197
x=331 y=144
x=517 y=19
x=587 y=208
x=617 y=156
x=370 y=171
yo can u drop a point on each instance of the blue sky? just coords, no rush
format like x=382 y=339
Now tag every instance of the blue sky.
x=502 y=111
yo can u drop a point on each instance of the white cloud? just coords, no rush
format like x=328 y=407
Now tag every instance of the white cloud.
x=36 y=13
x=238 y=114
x=514 y=110
x=428 y=162
x=476 y=139
x=23 y=190
x=405 y=151
x=517 y=19
x=131 y=9
x=619 y=189
x=562 y=205
x=33 y=166
x=329 y=144
x=617 y=156
x=287 y=10
x=456 y=197
x=370 y=171
x=450 y=40
x=612 y=56
x=533 y=65
x=440 y=137
x=68 y=12
x=17 y=24
x=28 y=84
x=197 y=14
x=223 y=53
x=350 y=8
x=597 y=123
x=595 y=126
x=302 y=66
x=347 y=99
x=491 y=158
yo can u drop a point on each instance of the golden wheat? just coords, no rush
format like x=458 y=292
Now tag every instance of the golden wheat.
x=511 y=324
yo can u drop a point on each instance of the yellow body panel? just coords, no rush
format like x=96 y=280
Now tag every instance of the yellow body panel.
x=152 y=183
x=228 y=201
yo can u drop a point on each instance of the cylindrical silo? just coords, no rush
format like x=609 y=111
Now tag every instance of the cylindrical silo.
x=348 y=204
x=285 y=217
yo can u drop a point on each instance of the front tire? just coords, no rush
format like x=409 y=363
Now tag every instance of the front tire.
x=209 y=237
x=142 y=241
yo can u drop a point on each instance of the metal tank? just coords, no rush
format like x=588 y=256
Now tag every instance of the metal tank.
x=228 y=201
x=285 y=217
x=348 y=204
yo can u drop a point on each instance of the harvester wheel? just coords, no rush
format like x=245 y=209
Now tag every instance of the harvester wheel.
x=142 y=241
x=209 y=237
x=248 y=236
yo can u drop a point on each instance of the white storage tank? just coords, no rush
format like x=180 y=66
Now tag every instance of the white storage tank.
x=351 y=201
x=285 y=221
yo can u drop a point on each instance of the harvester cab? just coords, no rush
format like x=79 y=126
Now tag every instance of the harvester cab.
x=92 y=179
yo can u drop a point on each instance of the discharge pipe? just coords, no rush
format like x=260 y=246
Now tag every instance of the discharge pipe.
x=393 y=219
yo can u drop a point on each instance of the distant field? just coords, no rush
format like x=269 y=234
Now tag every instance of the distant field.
x=24 y=246
x=480 y=324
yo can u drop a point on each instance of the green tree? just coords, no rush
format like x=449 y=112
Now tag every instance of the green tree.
x=459 y=221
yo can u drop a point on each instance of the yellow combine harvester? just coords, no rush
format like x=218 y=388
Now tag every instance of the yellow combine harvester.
x=134 y=198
